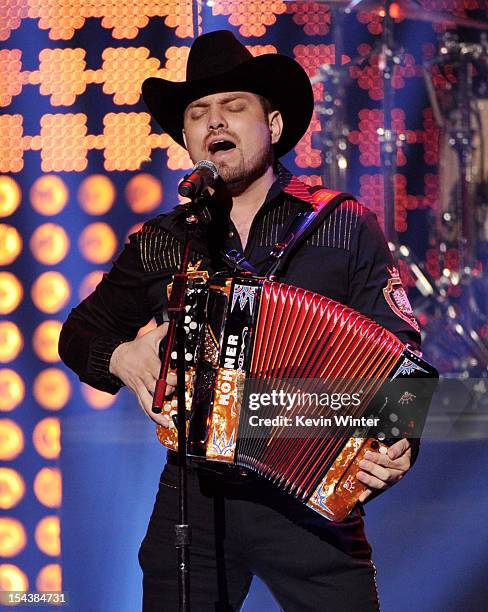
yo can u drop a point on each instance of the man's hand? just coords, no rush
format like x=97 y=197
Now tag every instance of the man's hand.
x=137 y=364
x=383 y=470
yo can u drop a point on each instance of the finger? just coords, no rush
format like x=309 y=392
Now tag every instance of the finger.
x=364 y=495
x=376 y=470
x=398 y=449
x=145 y=401
x=371 y=481
x=169 y=390
x=158 y=332
x=392 y=464
x=167 y=422
x=149 y=382
x=171 y=379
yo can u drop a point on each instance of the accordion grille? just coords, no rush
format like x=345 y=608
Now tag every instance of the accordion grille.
x=302 y=335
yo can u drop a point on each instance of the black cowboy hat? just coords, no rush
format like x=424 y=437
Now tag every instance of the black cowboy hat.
x=218 y=62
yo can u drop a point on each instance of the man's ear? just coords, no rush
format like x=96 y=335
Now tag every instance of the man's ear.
x=275 y=122
x=184 y=138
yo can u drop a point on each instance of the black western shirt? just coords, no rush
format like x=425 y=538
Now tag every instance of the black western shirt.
x=346 y=259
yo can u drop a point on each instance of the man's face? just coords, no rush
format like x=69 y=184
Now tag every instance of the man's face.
x=233 y=131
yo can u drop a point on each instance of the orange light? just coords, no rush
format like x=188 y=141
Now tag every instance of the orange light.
x=10 y=196
x=46 y=438
x=48 y=487
x=124 y=69
x=12 y=537
x=252 y=17
x=49 y=195
x=11 y=341
x=62 y=75
x=314 y=17
x=175 y=66
x=12 y=488
x=10 y=244
x=395 y=10
x=11 y=440
x=96 y=194
x=12 y=578
x=11 y=292
x=63 y=142
x=178 y=158
x=48 y=536
x=126 y=139
x=49 y=244
x=12 y=390
x=52 y=389
x=97 y=399
x=45 y=341
x=97 y=242
x=50 y=292
x=11 y=145
x=89 y=283
x=49 y=578
x=144 y=193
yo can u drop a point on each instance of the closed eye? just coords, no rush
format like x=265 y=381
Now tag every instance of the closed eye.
x=196 y=113
x=236 y=107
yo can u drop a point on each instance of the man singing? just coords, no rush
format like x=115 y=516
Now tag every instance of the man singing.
x=242 y=113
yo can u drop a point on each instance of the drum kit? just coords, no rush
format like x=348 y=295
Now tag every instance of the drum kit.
x=451 y=297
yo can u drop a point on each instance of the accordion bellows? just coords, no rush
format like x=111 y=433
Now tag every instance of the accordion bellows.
x=253 y=336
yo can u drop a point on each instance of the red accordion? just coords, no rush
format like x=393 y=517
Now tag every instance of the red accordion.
x=255 y=339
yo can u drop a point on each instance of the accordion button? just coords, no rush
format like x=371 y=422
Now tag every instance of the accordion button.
x=375 y=445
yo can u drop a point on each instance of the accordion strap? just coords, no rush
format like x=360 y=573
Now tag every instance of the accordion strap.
x=324 y=202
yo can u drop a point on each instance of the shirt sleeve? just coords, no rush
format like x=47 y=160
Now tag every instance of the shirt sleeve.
x=375 y=287
x=376 y=290
x=111 y=315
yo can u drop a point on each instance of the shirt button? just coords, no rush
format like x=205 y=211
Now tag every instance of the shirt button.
x=231 y=234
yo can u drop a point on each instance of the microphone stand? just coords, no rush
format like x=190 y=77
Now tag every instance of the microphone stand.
x=176 y=332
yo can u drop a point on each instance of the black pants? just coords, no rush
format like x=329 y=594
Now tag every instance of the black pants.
x=241 y=530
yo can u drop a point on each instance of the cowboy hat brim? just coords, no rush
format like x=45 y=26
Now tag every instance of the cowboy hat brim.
x=277 y=77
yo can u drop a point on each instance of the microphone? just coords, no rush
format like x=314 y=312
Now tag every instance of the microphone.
x=203 y=175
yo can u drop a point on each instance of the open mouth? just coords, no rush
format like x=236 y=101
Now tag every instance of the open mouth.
x=221 y=145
